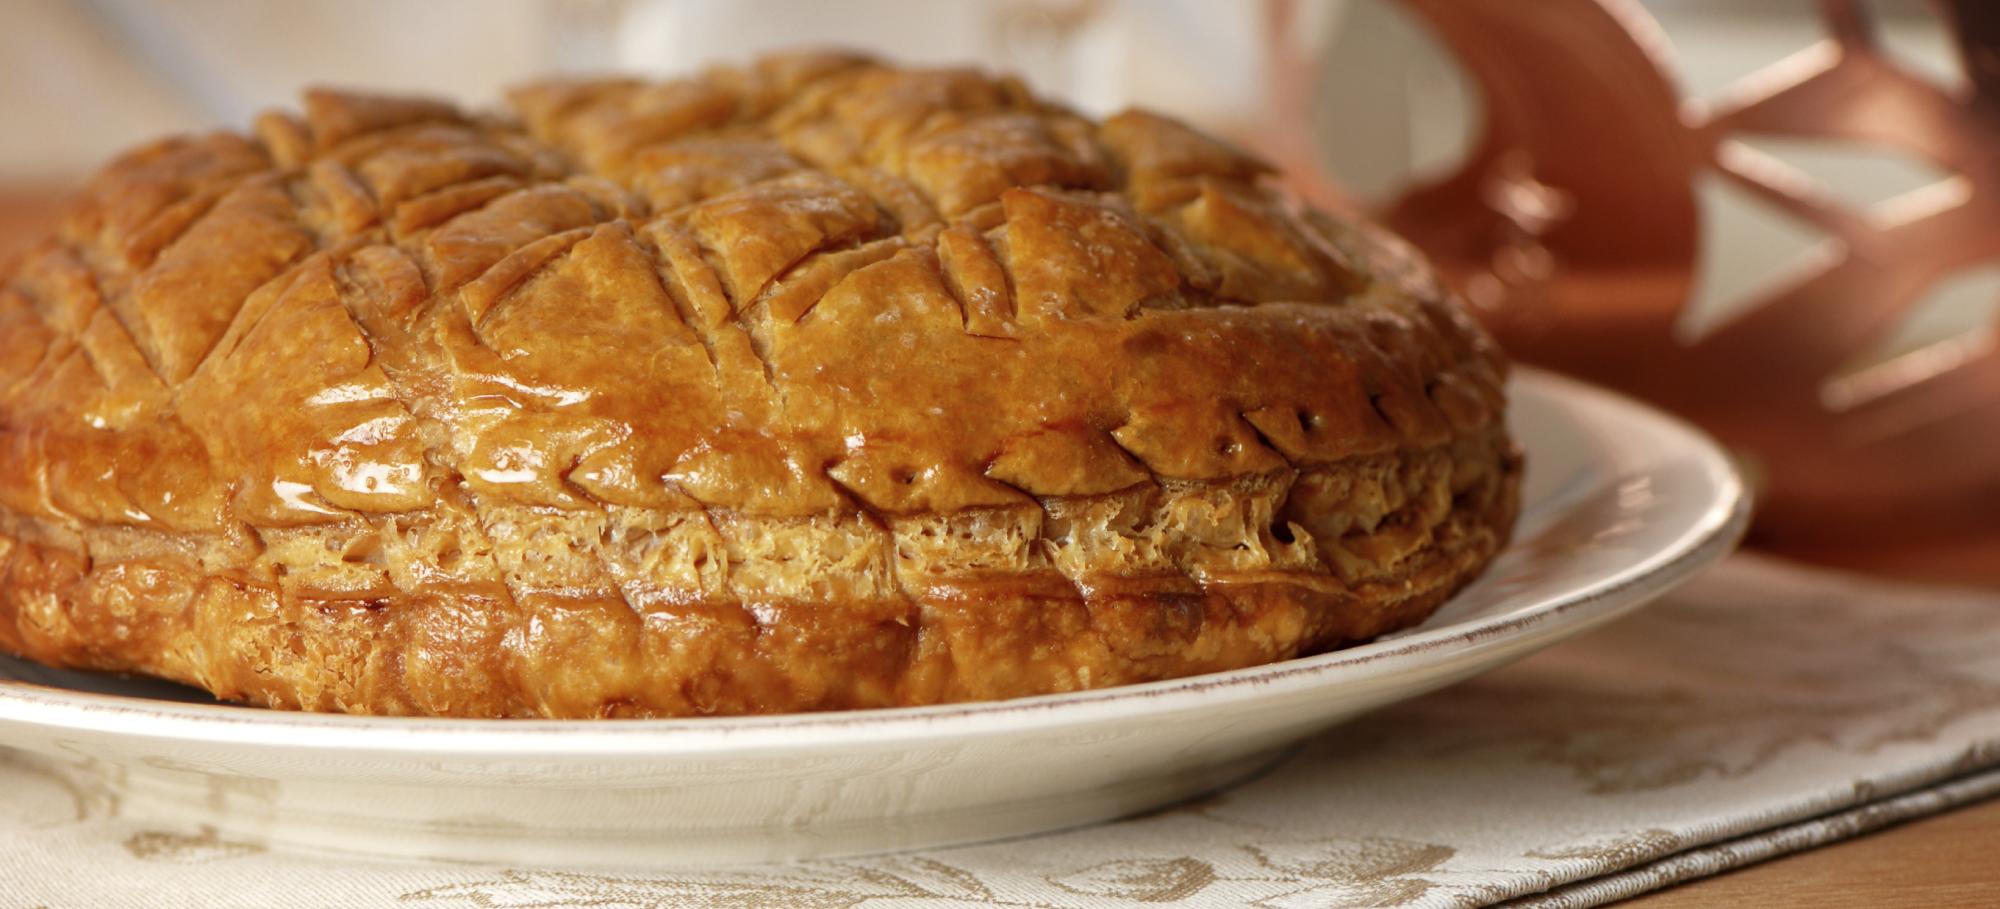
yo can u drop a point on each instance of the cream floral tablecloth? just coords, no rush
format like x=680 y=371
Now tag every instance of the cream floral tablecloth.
x=1761 y=710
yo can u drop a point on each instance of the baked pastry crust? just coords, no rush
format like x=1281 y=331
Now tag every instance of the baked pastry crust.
x=812 y=384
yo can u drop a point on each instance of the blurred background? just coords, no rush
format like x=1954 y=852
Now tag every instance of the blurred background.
x=1360 y=100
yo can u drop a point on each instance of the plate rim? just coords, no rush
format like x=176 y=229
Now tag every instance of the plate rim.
x=1704 y=540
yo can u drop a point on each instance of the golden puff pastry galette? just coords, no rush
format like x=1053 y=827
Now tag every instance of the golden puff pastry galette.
x=813 y=384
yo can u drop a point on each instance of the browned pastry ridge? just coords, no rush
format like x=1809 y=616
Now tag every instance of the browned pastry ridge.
x=812 y=384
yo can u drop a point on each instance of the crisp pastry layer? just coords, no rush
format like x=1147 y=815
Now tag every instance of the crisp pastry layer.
x=812 y=384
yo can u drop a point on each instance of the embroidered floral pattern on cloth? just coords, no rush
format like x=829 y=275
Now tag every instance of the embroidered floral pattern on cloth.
x=1761 y=710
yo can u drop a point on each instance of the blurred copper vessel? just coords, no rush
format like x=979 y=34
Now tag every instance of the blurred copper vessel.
x=1574 y=229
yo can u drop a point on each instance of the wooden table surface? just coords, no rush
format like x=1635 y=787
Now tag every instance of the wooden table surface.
x=1952 y=859
x=1948 y=860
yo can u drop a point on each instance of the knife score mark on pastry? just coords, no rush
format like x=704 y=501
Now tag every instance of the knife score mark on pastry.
x=811 y=384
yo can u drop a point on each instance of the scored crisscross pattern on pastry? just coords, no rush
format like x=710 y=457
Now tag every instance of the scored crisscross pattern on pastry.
x=815 y=383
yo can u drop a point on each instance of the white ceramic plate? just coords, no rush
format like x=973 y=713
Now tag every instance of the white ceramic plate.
x=1621 y=504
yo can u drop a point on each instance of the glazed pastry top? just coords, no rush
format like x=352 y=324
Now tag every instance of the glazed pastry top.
x=816 y=287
